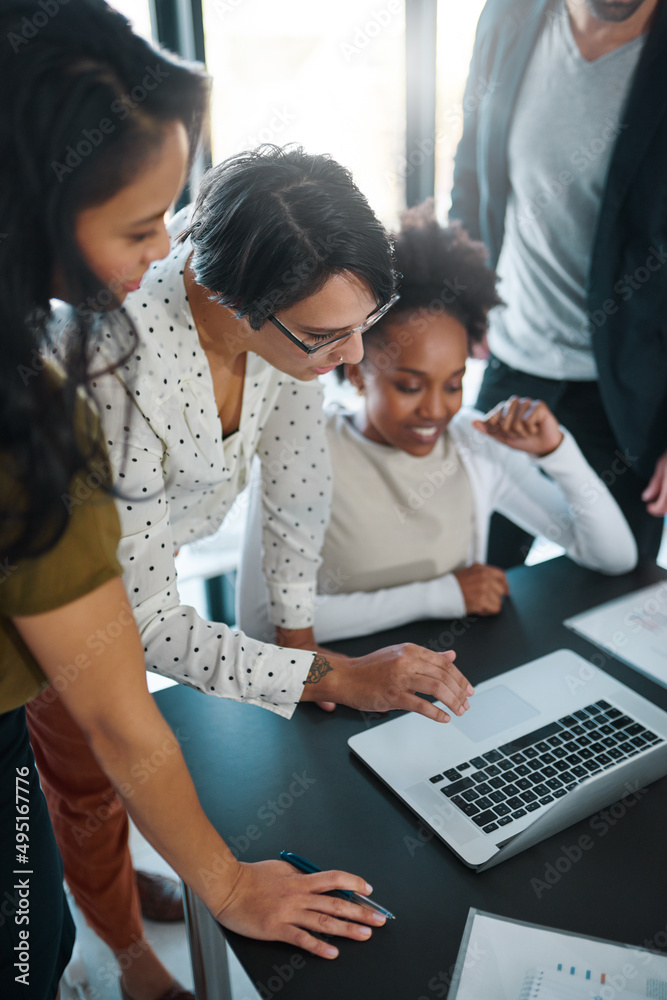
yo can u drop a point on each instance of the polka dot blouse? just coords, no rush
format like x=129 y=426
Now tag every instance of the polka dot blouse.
x=180 y=476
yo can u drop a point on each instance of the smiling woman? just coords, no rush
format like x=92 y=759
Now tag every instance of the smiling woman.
x=60 y=102
x=124 y=235
x=73 y=185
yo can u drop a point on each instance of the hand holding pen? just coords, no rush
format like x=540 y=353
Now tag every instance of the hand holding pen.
x=308 y=868
x=270 y=901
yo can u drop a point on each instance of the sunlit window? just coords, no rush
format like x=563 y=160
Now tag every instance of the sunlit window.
x=138 y=13
x=330 y=76
x=455 y=37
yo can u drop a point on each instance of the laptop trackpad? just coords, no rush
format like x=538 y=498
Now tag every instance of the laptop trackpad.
x=493 y=711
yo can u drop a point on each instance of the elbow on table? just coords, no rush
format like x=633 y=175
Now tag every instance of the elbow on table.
x=620 y=557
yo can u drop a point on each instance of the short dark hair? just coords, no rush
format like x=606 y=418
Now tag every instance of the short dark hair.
x=441 y=269
x=77 y=122
x=272 y=225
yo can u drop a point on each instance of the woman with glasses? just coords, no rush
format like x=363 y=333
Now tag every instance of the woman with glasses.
x=270 y=282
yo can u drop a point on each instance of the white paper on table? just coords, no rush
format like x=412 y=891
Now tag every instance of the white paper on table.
x=502 y=959
x=632 y=628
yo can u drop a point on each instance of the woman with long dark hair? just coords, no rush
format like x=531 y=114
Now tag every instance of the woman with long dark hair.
x=87 y=174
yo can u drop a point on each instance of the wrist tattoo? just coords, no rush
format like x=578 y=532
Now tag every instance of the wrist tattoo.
x=318 y=668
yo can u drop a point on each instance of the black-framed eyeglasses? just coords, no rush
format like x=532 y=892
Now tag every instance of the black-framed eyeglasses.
x=368 y=322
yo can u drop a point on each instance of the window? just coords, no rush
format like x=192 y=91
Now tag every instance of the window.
x=330 y=76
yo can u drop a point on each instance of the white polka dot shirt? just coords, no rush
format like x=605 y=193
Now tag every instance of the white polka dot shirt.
x=179 y=478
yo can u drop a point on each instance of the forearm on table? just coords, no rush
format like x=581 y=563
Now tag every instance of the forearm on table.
x=343 y=616
x=318 y=684
x=332 y=677
x=324 y=675
x=387 y=678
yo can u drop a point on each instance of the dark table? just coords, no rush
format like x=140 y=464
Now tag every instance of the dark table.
x=270 y=785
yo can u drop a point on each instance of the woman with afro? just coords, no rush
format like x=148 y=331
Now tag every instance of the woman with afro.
x=416 y=477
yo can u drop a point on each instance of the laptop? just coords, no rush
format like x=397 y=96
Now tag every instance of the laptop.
x=541 y=747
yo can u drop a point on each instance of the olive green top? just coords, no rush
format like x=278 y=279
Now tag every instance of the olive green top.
x=83 y=559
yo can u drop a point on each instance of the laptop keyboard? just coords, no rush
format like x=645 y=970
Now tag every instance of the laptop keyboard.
x=533 y=770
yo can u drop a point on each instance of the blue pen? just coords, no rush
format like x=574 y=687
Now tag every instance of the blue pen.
x=354 y=897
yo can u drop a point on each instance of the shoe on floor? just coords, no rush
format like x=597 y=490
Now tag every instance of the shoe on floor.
x=175 y=992
x=160 y=897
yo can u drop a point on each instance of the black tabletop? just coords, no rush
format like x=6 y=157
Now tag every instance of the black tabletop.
x=270 y=785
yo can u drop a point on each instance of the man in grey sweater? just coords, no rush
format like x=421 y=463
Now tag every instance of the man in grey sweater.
x=561 y=171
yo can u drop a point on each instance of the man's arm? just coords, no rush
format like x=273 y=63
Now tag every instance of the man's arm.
x=465 y=190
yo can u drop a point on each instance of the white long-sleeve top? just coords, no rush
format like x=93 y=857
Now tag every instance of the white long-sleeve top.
x=572 y=507
x=180 y=476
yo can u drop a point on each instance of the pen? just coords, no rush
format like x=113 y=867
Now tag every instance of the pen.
x=354 y=897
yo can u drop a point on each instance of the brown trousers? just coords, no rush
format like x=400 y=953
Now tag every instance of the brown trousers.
x=90 y=824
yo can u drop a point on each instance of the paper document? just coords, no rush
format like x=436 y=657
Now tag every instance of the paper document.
x=632 y=628
x=503 y=959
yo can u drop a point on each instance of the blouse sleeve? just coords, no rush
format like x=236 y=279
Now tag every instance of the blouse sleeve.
x=177 y=642
x=296 y=501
